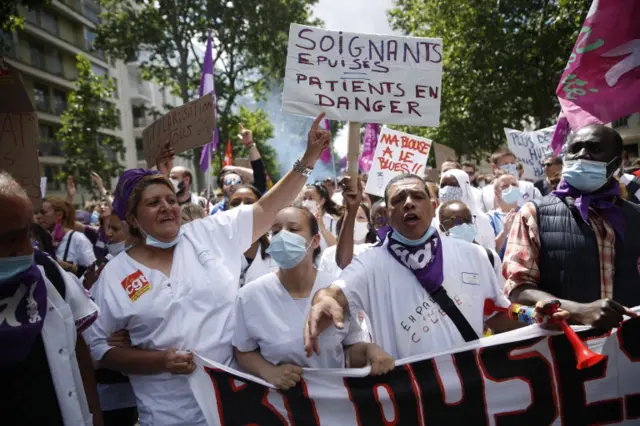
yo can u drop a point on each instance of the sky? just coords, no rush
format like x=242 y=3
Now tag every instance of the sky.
x=358 y=16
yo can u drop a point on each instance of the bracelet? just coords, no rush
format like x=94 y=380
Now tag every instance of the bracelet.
x=523 y=314
x=251 y=145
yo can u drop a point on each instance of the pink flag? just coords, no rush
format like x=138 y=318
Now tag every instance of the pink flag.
x=325 y=157
x=601 y=82
x=369 y=143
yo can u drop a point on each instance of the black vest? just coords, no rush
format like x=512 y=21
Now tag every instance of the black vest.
x=569 y=259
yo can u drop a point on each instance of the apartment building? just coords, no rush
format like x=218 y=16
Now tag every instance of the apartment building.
x=629 y=129
x=44 y=52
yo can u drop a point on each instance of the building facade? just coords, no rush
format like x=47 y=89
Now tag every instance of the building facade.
x=45 y=54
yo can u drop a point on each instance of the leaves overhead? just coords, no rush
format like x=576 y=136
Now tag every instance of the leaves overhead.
x=85 y=145
x=10 y=20
x=249 y=44
x=502 y=64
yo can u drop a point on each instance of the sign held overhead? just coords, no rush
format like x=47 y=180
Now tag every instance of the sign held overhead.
x=19 y=134
x=363 y=77
x=185 y=128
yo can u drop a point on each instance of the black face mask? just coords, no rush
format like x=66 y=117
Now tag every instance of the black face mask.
x=181 y=188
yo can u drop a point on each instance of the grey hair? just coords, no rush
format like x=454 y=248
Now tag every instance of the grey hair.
x=10 y=187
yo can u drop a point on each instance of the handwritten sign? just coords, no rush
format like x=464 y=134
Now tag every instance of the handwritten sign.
x=186 y=127
x=363 y=77
x=443 y=153
x=19 y=134
x=530 y=149
x=396 y=153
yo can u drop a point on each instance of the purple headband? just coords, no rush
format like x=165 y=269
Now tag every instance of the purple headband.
x=126 y=183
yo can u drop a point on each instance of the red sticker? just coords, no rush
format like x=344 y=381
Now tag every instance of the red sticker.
x=136 y=285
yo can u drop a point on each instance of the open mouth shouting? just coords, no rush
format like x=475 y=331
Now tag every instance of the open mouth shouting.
x=410 y=219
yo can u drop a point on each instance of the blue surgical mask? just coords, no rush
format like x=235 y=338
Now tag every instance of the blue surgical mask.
x=413 y=243
x=154 y=242
x=511 y=195
x=465 y=232
x=512 y=169
x=95 y=217
x=450 y=193
x=12 y=266
x=585 y=175
x=288 y=249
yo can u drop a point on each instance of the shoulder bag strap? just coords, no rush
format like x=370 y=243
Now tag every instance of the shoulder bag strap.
x=449 y=307
x=66 y=249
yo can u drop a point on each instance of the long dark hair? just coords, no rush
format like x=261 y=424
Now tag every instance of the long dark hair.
x=313 y=228
x=264 y=240
x=371 y=237
x=329 y=205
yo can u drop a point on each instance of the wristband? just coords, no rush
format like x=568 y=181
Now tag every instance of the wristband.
x=251 y=145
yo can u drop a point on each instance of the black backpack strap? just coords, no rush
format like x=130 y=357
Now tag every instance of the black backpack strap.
x=51 y=271
x=449 y=307
x=490 y=256
x=66 y=249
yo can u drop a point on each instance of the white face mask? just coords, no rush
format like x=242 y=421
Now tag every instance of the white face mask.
x=116 y=248
x=310 y=205
x=360 y=231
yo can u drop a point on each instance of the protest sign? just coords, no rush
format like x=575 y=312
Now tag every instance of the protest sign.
x=185 y=128
x=443 y=153
x=524 y=377
x=19 y=134
x=396 y=153
x=363 y=77
x=530 y=149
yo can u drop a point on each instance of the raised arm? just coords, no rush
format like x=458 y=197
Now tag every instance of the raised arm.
x=352 y=198
x=285 y=191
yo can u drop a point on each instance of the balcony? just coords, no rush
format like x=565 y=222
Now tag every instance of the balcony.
x=50 y=148
x=139 y=91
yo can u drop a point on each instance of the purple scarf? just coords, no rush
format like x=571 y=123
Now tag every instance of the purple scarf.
x=23 y=306
x=425 y=261
x=602 y=201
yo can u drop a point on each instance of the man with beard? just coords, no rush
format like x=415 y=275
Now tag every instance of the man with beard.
x=422 y=292
x=182 y=179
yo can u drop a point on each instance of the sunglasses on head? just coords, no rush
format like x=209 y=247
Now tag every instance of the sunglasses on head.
x=455 y=221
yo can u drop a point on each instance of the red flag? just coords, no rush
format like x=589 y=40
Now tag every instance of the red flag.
x=228 y=155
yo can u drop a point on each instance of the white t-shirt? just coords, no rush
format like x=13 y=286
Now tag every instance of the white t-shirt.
x=276 y=331
x=193 y=309
x=332 y=226
x=328 y=262
x=405 y=320
x=476 y=193
x=527 y=190
x=259 y=267
x=80 y=249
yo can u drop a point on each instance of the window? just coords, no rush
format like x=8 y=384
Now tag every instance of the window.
x=49 y=22
x=98 y=70
x=49 y=146
x=115 y=88
x=37 y=55
x=92 y=10
x=41 y=97
x=90 y=39
x=50 y=172
x=139 y=150
x=59 y=101
x=53 y=62
x=32 y=16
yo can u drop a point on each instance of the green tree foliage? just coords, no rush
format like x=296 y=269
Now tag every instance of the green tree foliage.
x=502 y=63
x=89 y=112
x=258 y=122
x=250 y=44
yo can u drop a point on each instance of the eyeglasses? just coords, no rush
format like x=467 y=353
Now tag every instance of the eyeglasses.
x=547 y=165
x=455 y=221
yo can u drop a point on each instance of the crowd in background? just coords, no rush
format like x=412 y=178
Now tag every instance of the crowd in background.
x=236 y=275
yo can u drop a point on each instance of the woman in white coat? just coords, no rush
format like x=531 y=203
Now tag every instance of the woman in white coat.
x=174 y=290
x=267 y=342
x=455 y=186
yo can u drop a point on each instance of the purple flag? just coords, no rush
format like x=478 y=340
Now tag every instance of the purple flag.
x=369 y=144
x=207 y=86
